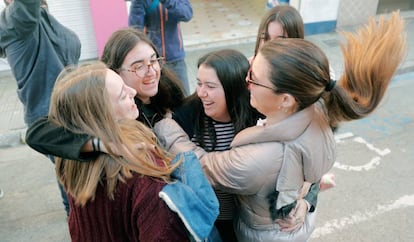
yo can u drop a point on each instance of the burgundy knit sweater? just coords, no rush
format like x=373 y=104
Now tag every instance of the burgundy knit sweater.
x=136 y=214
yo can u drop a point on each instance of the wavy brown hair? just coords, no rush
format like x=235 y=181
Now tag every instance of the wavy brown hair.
x=80 y=103
x=371 y=56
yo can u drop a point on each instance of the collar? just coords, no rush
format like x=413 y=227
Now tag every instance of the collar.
x=285 y=130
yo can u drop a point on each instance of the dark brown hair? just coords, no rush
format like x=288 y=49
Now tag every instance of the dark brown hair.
x=371 y=56
x=170 y=91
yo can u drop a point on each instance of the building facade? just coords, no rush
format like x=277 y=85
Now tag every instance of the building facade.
x=95 y=20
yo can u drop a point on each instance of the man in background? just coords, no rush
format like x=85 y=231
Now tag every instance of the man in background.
x=37 y=48
x=160 y=20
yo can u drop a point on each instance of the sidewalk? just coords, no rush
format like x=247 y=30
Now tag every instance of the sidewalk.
x=197 y=43
x=31 y=209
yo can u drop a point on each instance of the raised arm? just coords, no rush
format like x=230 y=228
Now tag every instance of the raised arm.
x=234 y=171
x=23 y=16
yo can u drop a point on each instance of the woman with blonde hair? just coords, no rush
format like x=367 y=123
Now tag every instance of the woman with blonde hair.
x=130 y=54
x=125 y=193
x=269 y=164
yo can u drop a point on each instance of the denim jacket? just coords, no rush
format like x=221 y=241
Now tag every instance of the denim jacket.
x=192 y=198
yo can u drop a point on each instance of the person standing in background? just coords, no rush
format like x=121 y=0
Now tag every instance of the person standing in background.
x=37 y=48
x=273 y=3
x=160 y=20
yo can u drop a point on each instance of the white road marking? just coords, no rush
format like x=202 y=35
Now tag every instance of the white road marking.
x=384 y=152
x=372 y=164
x=366 y=167
x=339 y=137
x=358 y=217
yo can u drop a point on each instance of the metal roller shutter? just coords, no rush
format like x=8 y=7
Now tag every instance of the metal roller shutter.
x=76 y=15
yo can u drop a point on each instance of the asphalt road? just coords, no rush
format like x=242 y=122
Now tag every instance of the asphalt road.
x=374 y=196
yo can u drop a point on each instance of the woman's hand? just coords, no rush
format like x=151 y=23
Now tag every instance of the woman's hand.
x=296 y=217
x=105 y=147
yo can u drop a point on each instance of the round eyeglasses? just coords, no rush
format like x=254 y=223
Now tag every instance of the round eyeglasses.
x=141 y=69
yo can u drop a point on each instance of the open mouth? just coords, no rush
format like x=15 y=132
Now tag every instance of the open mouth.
x=207 y=104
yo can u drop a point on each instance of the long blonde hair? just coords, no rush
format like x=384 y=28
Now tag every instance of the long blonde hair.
x=80 y=103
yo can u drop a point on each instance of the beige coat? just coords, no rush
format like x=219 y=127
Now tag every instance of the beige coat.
x=264 y=158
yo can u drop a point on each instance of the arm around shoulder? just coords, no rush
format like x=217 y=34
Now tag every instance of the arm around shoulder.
x=49 y=138
x=173 y=138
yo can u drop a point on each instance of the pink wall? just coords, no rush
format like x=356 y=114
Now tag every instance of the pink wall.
x=107 y=16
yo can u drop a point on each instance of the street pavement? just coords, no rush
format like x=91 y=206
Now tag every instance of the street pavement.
x=373 y=199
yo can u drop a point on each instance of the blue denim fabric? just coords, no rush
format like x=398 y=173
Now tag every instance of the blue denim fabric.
x=192 y=198
x=61 y=189
x=180 y=69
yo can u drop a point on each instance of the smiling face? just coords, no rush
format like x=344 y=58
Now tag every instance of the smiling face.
x=146 y=86
x=121 y=97
x=210 y=91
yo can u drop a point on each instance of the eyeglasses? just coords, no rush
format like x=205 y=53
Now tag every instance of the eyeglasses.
x=141 y=69
x=249 y=80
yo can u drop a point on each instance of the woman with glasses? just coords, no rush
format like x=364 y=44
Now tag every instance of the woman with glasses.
x=218 y=110
x=269 y=165
x=280 y=22
x=134 y=57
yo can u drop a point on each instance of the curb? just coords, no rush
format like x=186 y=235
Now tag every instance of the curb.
x=219 y=43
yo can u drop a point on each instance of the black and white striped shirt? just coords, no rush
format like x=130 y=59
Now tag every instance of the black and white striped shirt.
x=224 y=136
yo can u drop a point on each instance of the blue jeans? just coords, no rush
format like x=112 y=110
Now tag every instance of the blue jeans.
x=180 y=69
x=62 y=190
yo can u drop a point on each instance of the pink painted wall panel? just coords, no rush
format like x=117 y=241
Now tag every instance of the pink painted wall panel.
x=107 y=16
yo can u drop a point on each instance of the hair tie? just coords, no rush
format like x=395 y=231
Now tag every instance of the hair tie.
x=330 y=85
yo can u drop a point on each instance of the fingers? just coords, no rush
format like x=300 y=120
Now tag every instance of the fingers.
x=293 y=224
x=290 y=229
x=290 y=224
x=295 y=219
x=144 y=146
